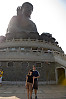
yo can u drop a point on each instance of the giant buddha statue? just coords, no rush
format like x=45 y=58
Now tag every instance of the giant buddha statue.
x=21 y=26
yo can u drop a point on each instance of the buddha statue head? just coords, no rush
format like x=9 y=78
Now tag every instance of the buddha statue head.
x=27 y=9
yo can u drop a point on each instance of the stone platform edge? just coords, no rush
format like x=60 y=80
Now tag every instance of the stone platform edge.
x=23 y=82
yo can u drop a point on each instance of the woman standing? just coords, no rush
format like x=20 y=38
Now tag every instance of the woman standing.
x=29 y=83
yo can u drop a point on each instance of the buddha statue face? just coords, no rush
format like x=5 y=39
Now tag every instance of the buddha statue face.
x=27 y=9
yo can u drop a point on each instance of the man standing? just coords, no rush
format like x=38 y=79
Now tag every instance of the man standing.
x=35 y=76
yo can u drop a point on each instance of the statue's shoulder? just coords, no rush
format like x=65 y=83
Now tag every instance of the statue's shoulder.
x=32 y=23
x=13 y=20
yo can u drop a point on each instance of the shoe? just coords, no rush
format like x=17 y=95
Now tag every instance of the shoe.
x=35 y=97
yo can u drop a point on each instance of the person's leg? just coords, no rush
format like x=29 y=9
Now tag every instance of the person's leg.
x=31 y=94
x=30 y=88
x=35 y=91
x=28 y=93
x=35 y=88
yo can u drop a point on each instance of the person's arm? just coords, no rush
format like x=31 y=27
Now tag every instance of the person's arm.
x=26 y=78
x=2 y=72
x=36 y=77
x=33 y=80
x=26 y=81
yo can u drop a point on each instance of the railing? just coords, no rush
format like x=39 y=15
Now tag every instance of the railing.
x=30 y=40
x=23 y=82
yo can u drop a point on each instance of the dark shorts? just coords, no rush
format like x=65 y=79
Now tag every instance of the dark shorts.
x=35 y=86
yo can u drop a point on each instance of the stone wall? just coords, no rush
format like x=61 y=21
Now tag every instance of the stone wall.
x=30 y=43
x=16 y=71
